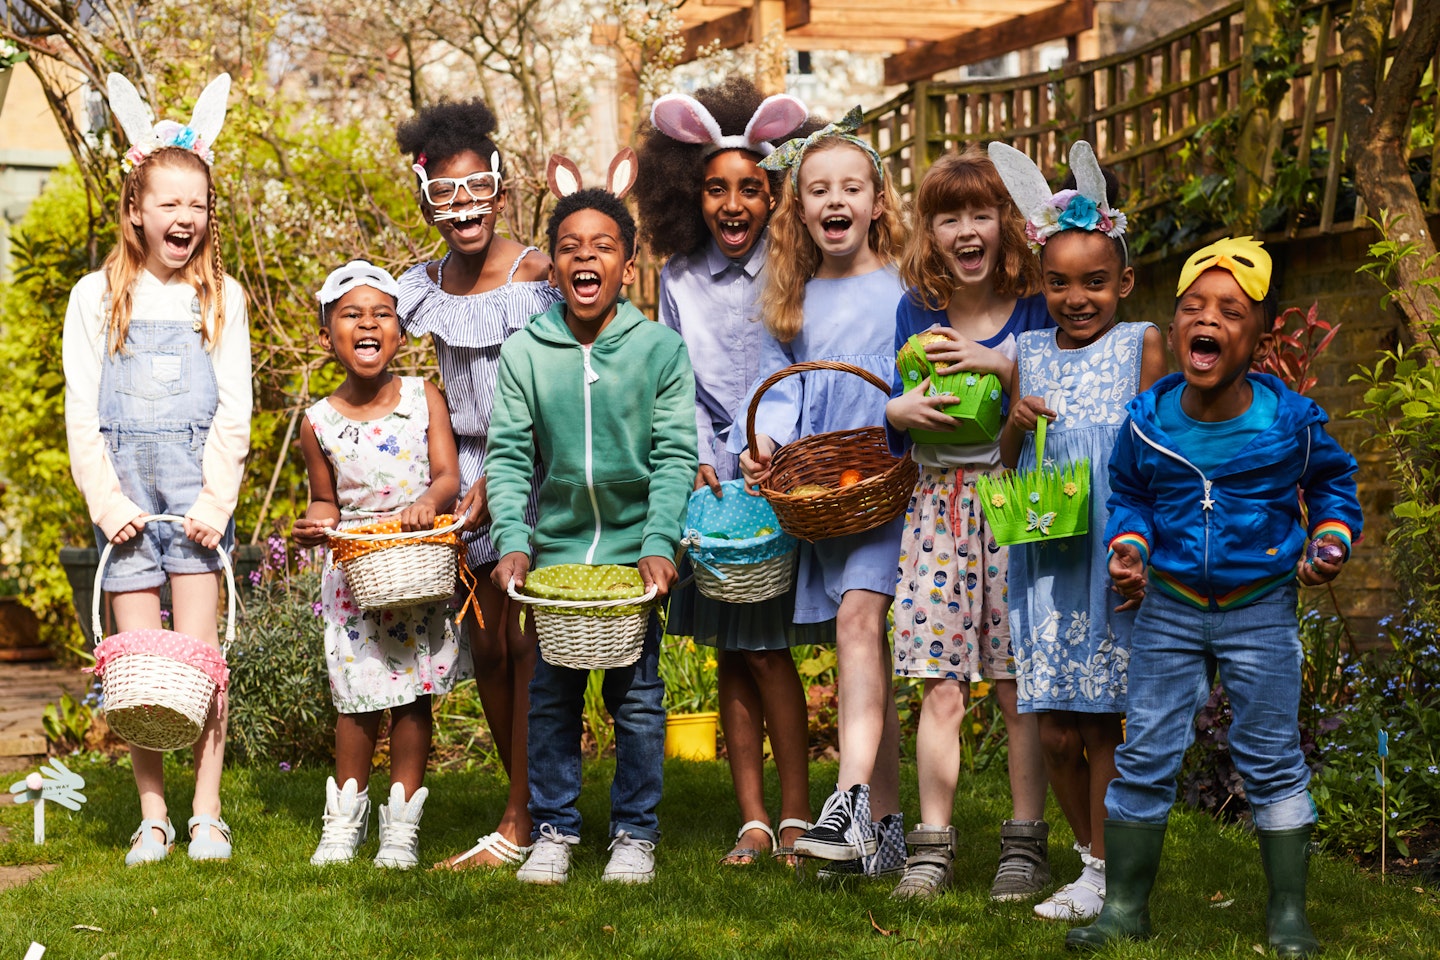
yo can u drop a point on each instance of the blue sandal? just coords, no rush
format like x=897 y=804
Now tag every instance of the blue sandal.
x=204 y=844
x=150 y=849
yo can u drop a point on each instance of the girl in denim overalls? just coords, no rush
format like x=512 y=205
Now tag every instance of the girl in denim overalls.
x=157 y=412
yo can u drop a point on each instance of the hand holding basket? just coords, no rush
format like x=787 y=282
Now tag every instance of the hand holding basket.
x=1046 y=503
x=388 y=568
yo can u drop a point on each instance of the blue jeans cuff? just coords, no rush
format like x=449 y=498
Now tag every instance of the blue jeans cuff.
x=1288 y=814
x=639 y=833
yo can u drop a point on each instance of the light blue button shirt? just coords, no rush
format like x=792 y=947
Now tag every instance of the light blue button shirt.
x=713 y=302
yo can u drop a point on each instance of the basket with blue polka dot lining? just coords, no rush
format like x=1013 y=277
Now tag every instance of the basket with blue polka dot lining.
x=739 y=552
x=1046 y=503
x=977 y=412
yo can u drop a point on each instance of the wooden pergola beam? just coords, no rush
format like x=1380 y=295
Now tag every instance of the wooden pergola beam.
x=1063 y=20
x=736 y=28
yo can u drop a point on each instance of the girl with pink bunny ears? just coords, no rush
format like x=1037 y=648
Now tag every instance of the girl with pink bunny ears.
x=705 y=204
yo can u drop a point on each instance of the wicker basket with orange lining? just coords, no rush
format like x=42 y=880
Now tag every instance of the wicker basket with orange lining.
x=387 y=567
x=827 y=505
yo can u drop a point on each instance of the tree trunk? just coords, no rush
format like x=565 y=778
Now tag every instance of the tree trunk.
x=1377 y=112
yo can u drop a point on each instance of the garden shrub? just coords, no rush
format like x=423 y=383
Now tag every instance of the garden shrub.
x=280 y=707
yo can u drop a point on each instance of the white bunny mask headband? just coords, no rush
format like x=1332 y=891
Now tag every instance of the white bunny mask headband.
x=146 y=136
x=682 y=117
x=1046 y=213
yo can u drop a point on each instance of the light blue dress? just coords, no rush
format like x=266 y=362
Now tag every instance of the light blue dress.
x=850 y=319
x=1072 y=651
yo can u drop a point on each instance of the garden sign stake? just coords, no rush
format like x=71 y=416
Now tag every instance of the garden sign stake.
x=1383 y=747
x=54 y=782
x=35 y=952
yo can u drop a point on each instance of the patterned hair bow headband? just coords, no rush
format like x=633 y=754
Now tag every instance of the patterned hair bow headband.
x=146 y=136
x=683 y=118
x=789 y=155
x=1046 y=213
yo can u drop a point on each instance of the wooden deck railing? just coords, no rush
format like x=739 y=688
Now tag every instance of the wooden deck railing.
x=1165 y=117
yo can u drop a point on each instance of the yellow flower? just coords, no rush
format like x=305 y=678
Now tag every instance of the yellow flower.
x=977 y=728
x=997 y=499
x=1070 y=489
x=689 y=646
x=979 y=689
x=710 y=663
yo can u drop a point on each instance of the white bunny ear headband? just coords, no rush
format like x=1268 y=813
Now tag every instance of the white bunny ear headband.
x=681 y=117
x=564 y=177
x=1047 y=213
x=146 y=136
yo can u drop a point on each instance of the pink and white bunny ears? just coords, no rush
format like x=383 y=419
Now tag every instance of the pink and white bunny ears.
x=146 y=136
x=1046 y=213
x=564 y=177
x=681 y=117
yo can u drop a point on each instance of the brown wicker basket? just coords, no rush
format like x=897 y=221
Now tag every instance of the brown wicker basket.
x=821 y=459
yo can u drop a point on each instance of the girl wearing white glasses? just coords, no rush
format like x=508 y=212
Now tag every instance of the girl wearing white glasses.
x=485 y=288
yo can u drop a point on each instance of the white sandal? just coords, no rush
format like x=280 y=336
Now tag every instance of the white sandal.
x=783 y=853
x=505 y=851
x=732 y=859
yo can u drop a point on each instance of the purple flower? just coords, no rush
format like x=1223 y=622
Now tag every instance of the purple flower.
x=317 y=606
x=284 y=767
x=255 y=577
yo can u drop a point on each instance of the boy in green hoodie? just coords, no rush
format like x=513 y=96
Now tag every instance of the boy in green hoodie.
x=604 y=399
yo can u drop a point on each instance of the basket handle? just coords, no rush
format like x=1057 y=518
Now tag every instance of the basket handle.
x=646 y=597
x=224 y=566
x=375 y=537
x=805 y=367
x=1039 y=442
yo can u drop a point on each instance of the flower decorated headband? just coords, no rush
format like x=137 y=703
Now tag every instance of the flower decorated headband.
x=1047 y=213
x=146 y=136
x=1247 y=261
x=789 y=155
x=564 y=177
x=356 y=273
x=683 y=118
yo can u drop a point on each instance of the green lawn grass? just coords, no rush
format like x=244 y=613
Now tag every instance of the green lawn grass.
x=270 y=903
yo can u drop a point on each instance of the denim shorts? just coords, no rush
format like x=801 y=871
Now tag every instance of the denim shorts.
x=159 y=470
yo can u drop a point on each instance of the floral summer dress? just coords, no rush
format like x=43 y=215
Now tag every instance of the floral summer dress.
x=1072 y=651
x=382 y=658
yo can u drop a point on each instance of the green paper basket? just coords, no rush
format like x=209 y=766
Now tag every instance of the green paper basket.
x=977 y=413
x=1046 y=503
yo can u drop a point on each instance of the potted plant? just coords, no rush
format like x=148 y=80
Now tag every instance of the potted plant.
x=691 y=699
x=10 y=54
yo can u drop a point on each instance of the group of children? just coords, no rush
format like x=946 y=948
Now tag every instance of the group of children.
x=572 y=430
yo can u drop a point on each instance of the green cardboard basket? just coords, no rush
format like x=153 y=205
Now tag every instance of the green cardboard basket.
x=977 y=414
x=1046 y=503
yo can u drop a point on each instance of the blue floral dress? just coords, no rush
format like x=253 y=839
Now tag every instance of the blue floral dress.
x=382 y=658
x=1072 y=651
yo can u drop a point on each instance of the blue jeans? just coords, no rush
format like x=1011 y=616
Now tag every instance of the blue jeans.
x=634 y=696
x=1257 y=651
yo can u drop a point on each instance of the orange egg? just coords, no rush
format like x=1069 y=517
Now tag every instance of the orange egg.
x=851 y=477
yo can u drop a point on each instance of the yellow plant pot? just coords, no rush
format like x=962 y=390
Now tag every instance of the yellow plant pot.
x=691 y=736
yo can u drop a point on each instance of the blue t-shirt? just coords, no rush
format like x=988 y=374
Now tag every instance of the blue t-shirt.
x=1030 y=313
x=1211 y=445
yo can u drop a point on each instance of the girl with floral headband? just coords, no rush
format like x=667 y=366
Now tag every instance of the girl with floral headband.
x=157 y=370
x=705 y=203
x=831 y=295
x=1071 y=647
x=485 y=288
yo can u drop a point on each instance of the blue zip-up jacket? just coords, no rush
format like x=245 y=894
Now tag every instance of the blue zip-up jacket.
x=1226 y=540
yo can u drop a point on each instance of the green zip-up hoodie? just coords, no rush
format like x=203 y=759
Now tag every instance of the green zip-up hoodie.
x=615 y=430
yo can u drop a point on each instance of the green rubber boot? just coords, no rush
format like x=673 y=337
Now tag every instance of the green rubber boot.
x=1286 y=856
x=1132 y=858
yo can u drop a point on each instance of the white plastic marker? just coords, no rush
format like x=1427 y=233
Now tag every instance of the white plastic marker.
x=54 y=782
x=35 y=952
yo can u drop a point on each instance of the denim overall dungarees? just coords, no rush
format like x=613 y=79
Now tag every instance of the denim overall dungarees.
x=158 y=397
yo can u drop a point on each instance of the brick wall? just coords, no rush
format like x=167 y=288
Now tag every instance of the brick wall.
x=1322 y=270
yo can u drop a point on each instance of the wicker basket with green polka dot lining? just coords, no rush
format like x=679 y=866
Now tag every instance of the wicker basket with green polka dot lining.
x=1046 y=503
x=588 y=617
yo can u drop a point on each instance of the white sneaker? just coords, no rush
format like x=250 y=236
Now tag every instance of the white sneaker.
x=549 y=860
x=1081 y=900
x=632 y=860
x=400 y=828
x=347 y=823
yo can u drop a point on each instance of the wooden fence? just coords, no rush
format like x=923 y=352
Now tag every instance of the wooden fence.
x=1164 y=117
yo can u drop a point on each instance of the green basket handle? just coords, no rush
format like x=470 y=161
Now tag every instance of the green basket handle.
x=1039 y=442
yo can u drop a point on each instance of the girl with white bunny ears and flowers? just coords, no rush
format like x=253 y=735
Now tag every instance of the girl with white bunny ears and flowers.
x=705 y=203
x=1071 y=648
x=157 y=371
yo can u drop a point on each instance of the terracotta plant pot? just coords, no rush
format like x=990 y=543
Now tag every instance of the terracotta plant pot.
x=19 y=632
x=691 y=736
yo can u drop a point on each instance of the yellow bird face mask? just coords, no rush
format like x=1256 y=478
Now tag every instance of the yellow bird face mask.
x=1244 y=257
